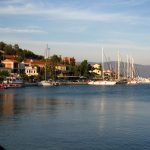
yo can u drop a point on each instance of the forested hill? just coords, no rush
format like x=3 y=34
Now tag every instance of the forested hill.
x=8 y=49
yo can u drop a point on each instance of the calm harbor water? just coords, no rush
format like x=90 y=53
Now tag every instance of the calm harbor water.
x=75 y=117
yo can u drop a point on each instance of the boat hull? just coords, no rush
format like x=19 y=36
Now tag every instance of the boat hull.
x=102 y=83
x=45 y=83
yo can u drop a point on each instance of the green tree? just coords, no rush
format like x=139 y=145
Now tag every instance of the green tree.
x=55 y=59
x=2 y=45
x=4 y=73
x=84 y=68
x=9 y=50
x=76 y=70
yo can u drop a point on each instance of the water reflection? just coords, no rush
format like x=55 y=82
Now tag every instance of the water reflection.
x=16 y=104
x=114 y=111
x=12 y=103
x=7 y=104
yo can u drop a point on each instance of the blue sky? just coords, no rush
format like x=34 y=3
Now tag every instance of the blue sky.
x=79 y=28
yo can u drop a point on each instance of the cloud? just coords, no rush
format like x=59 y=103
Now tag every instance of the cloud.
x=128 y=2
x=12 y=2
x=64 y=13
x=20 y=30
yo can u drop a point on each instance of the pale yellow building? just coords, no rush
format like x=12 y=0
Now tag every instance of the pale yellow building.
x=31 y=71
x=96 y=66
x=60 y=67
x=96 y=69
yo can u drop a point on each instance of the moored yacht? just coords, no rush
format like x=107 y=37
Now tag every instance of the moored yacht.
x=144 y=80
x=133 y=82
x=103 y=81
x=45 y=83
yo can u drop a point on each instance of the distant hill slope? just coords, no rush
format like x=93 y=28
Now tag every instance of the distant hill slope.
x=143 y=70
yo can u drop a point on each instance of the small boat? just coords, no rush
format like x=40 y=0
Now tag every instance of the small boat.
x=105 y=82
x=3 y=86
x=45 y=83
x=132 y=82
x=91 y=82
x=12 y=85
x=144 y=80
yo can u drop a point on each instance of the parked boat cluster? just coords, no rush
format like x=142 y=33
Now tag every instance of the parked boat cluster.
x=128 y=77
x=122 y=81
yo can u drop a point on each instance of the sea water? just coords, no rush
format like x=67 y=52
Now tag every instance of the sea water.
x=75 y=118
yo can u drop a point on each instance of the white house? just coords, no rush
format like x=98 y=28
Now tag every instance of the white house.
x=31 y=71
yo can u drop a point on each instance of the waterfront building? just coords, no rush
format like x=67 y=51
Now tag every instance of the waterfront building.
x=31 y=70
x=11 y=64
x=97 y=69
x=61 y=67
x=69 y=60
x=96 y=66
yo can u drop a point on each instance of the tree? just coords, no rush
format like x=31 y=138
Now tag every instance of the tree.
x=16 y=47
x=76 y=70
x=55 y=59
x=4 y=73
x=84 y=68
x=2 y=45
x=9 y=50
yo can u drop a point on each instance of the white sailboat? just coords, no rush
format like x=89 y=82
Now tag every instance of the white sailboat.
x=120 y=80
x=102 y=82
x=132 y=80
x=46 y=82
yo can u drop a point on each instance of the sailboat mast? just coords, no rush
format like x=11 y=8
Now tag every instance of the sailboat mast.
x=118 y=66
x=127 y=67
x=46 y=56
x=45 y=71
x=102 y=64
x=132 y=68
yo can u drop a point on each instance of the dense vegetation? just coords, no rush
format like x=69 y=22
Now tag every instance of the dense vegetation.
x=22 y=54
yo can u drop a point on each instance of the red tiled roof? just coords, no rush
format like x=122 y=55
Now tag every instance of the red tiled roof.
x=27 y=61
x=9 y=60
x=62 y=65
x=39 y=62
